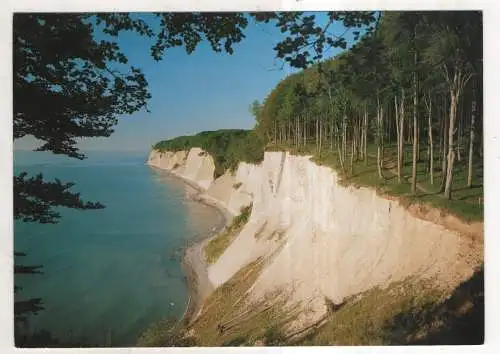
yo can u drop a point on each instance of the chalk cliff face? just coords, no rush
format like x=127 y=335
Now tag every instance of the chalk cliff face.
x=197 y=166
x=321 y=239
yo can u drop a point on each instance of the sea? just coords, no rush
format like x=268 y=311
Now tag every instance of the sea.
x=109 y=274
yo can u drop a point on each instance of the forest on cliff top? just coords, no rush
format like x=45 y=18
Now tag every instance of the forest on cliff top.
x=401 y=110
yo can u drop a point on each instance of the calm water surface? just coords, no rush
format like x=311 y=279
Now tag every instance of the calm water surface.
x=110 y=273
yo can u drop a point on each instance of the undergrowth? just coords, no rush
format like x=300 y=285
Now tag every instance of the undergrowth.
x=407 y=313
x=230 y=318
x=216 y=247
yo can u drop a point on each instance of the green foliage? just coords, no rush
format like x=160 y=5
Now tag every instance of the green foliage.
x=67 y=83
x=227 y=147
x=216 y=247
x=413 y=60
x=165 y=333
x=243 y=217
x=274 y=337
x=34 y=199
x=306 y=40
x=407 y=313
x=244 y=321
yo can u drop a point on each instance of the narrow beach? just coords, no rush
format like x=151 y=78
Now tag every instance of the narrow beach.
x=193 y=260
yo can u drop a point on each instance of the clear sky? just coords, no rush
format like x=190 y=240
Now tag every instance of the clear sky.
x=191 y=93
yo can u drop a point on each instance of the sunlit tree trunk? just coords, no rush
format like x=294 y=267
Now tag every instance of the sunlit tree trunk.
x=379 y=139
x=365 y=137
x=415 y=130
x=451 y=148
x=339 y=152
x=444 y=161
x=332 y=134
x=459 y=81
x=353 y=144
x=305 y=129
x=399 y=110
x=359 y=154
x=471 y=138
x=431 y=145
x=320 y=137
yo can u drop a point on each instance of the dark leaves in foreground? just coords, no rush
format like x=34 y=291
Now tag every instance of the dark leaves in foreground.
x=35 y=199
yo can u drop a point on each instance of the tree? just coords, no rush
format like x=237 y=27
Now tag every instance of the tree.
x=471 y=138
x=455 y=48
x=65 y=87
x=421 y=63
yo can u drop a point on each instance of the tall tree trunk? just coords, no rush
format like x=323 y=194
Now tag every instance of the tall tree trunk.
x=344 y=136
x=320 y=138
x=444 y=161
x=431 y=145
x=415 y=131
x=460 y=79
x=339 y=152
x=294 y=130
x=361 y=137
x=275 y=132
x=441 y=128
x=451 y=147
x=305 y=129
x=317 y=134
x=359 y=140
x=471 y=138
x=353 y=144
x=418 y=139
x=379 y=139
x=290 y=131
x=401 y=137
x=365 y=153
x=332 y=134
x=396 y=117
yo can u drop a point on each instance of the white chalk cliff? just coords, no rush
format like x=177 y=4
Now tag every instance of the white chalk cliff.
x=321 y=239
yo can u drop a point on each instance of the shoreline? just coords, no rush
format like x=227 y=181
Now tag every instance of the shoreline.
x=193 y=260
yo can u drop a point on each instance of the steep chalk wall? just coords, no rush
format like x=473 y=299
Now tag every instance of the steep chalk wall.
x=321 y=239
x=197 y=166
x=325 y=240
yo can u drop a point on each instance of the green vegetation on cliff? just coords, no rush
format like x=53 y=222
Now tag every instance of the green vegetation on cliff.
x=410 y=312
x=400 y=111
x=216 y=247
x=227 y=147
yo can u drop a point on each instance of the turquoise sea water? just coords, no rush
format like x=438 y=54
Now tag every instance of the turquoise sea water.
x=110 y=273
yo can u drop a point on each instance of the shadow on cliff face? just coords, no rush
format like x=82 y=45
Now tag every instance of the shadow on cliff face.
x=458 y=320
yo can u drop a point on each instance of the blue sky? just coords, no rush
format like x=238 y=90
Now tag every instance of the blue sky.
x=191 y=93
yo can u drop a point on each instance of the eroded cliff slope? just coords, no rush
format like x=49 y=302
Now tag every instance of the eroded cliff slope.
x=320 y=239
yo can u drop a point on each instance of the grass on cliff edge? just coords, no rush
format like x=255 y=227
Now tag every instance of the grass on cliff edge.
x=407 y=313
x=245 y=322
x=466 y=203
x=216 y=247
